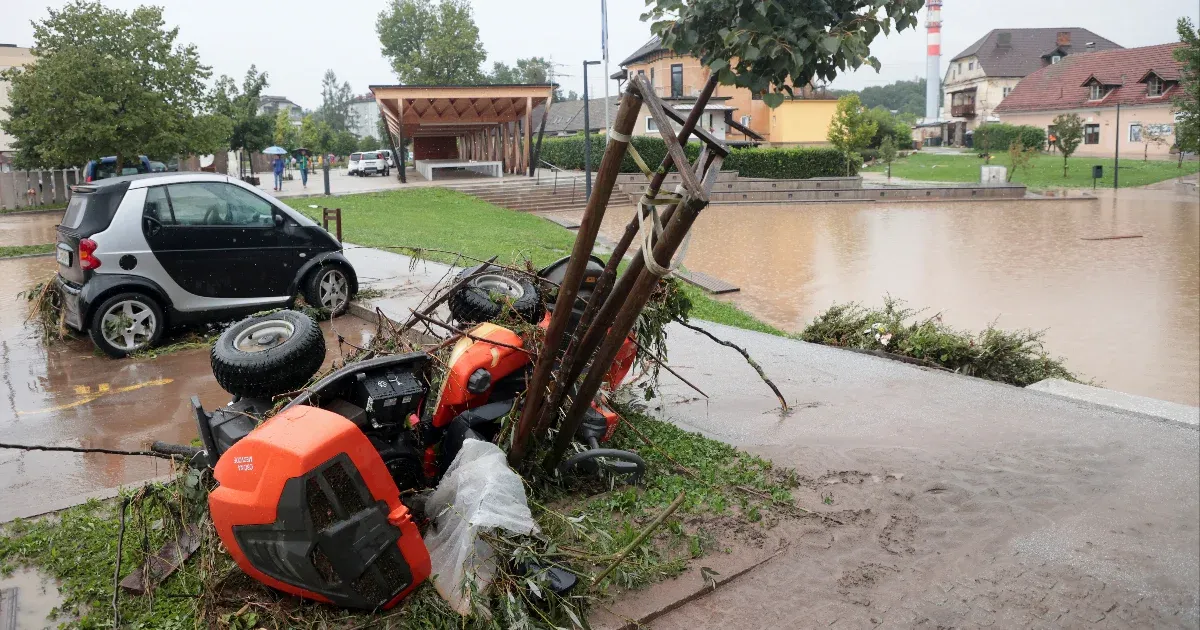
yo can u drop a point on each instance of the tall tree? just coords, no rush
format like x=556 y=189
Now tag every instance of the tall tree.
x=770 y=46
x=335 y=103
x=1068 y=134
x=1187 y=102
x=286 y=135
x=251 y=131
x=109 y=82
x=851 y=128
x=316 y=135
x=903 y=97
x=434 y=44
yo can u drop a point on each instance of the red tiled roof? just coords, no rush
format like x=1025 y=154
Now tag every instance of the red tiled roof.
x=1063 y=85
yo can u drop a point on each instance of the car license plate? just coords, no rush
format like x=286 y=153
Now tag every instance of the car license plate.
x=64 y=256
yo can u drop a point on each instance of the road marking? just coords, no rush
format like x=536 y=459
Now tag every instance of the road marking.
x=102 y=390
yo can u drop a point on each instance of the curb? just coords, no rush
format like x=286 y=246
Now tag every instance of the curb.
x=1184 y=416
x=66 y=503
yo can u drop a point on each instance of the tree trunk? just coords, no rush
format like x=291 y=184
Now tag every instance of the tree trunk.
x=1065 y=156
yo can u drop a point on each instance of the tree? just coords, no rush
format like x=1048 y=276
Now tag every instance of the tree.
x=768 y=47
x=904 y=97
x=528 y=70
x=1019 y=157
x=1068 y=132
x=109 y=82
x=1187 y=101
x=888 y=125
x=431 y=44
x=251 y=131
x=851 y=128
x=344 y=143
x=286 y=135
x=1156 y=135
x=887 y=153
x=316 y=135
x=335 y=103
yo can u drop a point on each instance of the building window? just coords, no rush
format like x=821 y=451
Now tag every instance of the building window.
x=676 y=80
x=1154 y=86
x=960 y=66
x=1056 y=59
x=651 y=127
x=746 y=121
x=651 y=76
x=1091 y=134
x=1096 y=93
x=709 y=125
x=971 y=65
x=1135 y=132
x=1007 y=91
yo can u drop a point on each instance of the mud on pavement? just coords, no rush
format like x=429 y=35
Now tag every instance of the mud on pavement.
x=66 y=394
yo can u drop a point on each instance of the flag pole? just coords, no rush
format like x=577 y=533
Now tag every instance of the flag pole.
x=604 y=45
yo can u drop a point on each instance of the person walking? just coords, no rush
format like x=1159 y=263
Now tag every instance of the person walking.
x=277 y=166
x=303 y=164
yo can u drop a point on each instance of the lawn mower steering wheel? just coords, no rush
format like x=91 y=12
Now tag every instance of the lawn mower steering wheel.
x=615 y=461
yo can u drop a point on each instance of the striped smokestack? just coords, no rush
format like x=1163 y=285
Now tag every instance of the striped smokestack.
x=933 y=74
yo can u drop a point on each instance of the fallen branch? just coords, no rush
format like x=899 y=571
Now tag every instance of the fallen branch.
x=73 y=449
x=432 y=306
x=458 y=331
x=754 y=364
x=640 y=538
x=663 y=364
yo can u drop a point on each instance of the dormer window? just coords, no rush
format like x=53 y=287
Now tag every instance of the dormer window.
x=1097 y=92
x=1154 y=86
x=1055 y=59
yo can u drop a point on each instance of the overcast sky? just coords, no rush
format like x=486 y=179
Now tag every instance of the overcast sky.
x=295 y=41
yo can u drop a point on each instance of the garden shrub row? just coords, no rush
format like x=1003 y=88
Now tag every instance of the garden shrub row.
x=997 y=137
x=567 y=153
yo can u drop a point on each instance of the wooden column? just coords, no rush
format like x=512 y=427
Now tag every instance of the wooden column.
x=526 y=166
x=400 y=132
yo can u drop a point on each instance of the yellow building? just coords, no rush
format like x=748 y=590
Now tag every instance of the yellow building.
x=10 y=56
x=803 y=120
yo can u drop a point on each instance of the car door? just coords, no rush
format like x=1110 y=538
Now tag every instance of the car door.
x=218 y=240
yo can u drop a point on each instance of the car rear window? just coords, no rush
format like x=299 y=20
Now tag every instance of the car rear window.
x=75 y=211
x=355 y=156
x=104 y=170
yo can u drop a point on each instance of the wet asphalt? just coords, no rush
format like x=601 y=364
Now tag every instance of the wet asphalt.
x=66 y=394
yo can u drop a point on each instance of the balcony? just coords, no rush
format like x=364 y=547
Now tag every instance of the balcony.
x=964 y=110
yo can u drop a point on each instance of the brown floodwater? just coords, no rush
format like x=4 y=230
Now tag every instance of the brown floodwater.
x=33 y=228
x=66 y=394
x=1123 y=312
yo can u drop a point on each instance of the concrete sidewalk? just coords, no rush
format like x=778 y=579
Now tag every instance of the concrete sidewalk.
x=962 y=502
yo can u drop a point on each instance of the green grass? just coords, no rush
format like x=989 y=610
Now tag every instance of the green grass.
x=8 y=251
x=1044 y=171
x=45 y=208
x=437 y=218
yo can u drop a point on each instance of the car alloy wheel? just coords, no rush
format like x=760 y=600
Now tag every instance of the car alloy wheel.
x=129 y=325
x=333 y=290
x=498 y=284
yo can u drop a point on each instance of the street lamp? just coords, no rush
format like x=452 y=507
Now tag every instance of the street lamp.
x=587 y=133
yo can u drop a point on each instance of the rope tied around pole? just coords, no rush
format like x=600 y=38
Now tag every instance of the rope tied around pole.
x=654 y=232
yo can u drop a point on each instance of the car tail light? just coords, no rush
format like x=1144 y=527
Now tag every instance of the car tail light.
x=87 y=258
x=89 y=179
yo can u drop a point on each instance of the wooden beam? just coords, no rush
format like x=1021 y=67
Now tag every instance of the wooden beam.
x=536 y=163
x=528 y=135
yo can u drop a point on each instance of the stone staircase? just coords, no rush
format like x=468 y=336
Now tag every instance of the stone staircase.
x=529 y=195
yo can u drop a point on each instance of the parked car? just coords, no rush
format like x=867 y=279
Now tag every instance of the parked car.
x=107 y=167
x=368 y=163
x=139 y=254
x=158 y=167
x=387 y=155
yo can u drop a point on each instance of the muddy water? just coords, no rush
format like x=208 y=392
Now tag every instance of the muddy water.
x=32 y=228
x=67 y=395
x=1125 y=312
x=37 y=599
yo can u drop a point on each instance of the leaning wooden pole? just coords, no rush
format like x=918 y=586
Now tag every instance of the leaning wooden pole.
x=585 y=240
x=588 y=337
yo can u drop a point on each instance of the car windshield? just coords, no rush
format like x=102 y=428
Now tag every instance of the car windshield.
x=75 y=211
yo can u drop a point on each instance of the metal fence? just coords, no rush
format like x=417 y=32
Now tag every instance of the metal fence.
x=37 y=189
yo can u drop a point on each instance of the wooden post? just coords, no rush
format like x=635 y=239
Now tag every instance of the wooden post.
x=585 y=240
x=528 y=135
x=400 y=132
x=536 y=162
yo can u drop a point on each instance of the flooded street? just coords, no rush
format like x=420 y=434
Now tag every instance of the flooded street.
x=68 y=395
x=28 y=228
x=1124 y=312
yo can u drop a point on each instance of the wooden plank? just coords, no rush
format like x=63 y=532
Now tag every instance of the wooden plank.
x=8 y=609
x=674 y=149
x=718 y=146
x=570 y=224
x=162 y=564
x=712 y=285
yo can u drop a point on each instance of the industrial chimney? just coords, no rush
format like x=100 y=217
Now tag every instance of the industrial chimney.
x=933 y=70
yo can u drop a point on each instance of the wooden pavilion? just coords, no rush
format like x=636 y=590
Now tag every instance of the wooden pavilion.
x=487 y=129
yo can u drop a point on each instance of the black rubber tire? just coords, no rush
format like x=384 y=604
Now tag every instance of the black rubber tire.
x=96 y=331
x=312 y=287
x=284 y=368
x=471 y=304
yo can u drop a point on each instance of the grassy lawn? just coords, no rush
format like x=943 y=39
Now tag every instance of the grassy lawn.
x=47 y=207
x=8 y=251
x=1044 y=171
x=437 y=218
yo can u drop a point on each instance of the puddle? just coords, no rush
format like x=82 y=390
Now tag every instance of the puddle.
x=28 y=229
x=37 y=596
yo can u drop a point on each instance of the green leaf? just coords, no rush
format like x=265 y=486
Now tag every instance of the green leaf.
x=718 y=65
x=831 y=44
x=773 y=99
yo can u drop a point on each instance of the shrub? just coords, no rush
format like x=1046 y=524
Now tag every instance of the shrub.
x=889 y=126
x=567 y=153
x=997 y=137
x=1013 y=357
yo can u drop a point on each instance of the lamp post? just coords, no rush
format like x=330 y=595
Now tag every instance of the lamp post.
x=587 y=133
x=604 y=45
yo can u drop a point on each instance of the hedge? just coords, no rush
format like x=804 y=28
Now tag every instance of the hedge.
x=997 y=137
x=567 y=153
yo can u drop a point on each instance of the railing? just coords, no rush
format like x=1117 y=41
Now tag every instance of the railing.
x=963 y=110
x=556 y=170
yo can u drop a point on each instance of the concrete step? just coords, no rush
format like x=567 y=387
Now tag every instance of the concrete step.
x=768 y=185
x=672 y=178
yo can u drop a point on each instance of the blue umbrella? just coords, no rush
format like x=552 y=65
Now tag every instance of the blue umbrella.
x=275 y=151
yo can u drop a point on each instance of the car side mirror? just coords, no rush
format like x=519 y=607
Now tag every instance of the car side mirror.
x=278 y=220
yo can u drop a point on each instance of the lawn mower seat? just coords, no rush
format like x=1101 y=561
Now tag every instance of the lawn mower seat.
x=481 y=423
x=306 y=505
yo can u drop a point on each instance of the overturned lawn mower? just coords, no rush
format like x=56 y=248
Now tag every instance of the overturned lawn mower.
x=323 y=499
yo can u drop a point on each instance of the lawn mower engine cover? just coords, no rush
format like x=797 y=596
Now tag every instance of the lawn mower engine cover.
x=306 y=504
